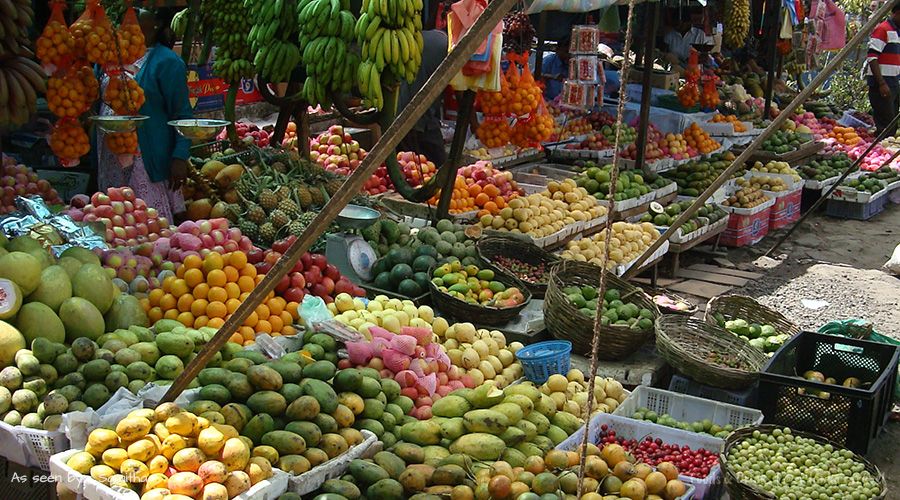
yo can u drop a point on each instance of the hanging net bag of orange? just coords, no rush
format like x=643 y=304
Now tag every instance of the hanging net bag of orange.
x=130 y=37
x=124 y=145
x=534 y=129
x=525 y=92
x=123 y=94
x=70 y=93
x=56 y=47
x=95 y=39
x=689 y=93
x=69 y=142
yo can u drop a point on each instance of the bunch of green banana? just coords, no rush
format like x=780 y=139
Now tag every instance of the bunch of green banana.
x=390 y=36
x=226 y=21
x=272 y=37
x=326 y=32
x=179 y=22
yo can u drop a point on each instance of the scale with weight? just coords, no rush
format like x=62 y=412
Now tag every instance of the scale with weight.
x=348 y=251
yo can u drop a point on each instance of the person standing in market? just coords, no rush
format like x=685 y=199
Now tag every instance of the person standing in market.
x=555 y=70
x=883 y=72
x=161 y=166
x=680 y=39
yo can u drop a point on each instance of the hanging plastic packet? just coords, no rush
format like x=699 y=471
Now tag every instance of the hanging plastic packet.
x=70 y=93
x=130 y=37
x=692 y=71
x=123 y=94
x=55 y=47
x=69 y=142
x=124 y=145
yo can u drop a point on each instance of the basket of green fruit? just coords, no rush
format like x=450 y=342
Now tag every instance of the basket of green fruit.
x=572 y=303
x=707 y=353
x=762 y=327
x=530 y=263
x=477 y=293
x=766 y=462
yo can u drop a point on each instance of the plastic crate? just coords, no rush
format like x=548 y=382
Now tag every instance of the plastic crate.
x=543 y=359
x=628 y=428
x=852 y=210
x=686 y=408
x=848 y=416
x=746 y=398
x=313 y=479
x=31 y=447
x=206 y=150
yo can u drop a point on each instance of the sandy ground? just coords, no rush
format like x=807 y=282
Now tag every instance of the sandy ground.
x=840 y=263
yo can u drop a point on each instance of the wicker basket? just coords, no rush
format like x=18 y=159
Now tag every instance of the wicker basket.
x=494 y=246
x=738 y=490
x=682 y=341
x=733 y=307
x=477 y=314
x=566 y=322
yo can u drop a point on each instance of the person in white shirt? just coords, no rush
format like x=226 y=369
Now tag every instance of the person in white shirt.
x=680 y=40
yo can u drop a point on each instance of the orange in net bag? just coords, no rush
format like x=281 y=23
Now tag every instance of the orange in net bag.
x=122 y=142
x=531 y=131
x=56 y=46
x=94 y=35
x=494 y=131
x=123 y=94
x=495 y=103
x=71 y=93
x=525 y=92
x=689 y=94
x=69 y=142
x=130 y=37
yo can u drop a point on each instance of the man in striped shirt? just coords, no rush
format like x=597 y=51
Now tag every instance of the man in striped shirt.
x=883 y=73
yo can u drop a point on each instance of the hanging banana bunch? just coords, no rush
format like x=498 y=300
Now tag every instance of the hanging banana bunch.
x=390 y=35
x=273 y=37
x=737 y=23
x=326 y=32
x=227 y=23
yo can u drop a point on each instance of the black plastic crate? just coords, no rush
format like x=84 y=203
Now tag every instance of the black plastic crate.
x=206 y=150
x=744 y=397
x=852 y=210
x=849 y=416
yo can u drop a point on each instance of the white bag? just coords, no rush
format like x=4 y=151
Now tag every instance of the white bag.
x=893 y=264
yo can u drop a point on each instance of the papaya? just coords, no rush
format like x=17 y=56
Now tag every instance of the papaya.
x=386 y=489
x=285 y=442
x=340 y=487
x=513 y=457
x=208 y=376
x=333 y=444
x=323 y=393
x=267 y=402
x=303 y=408
x=394 y=410
x=390 y=462
x=421 y=432
x=175 y=344
x=567 y=422
x=327 y=423
x=329 y=496
x=367 y=473
x=347 y=380
x=369 y=387
x=264 y=378
x=435 y=454
x=390 y=388
x=540 y=421
x=489 y=421
x=513 y=436
x=528 y=428
x=291 y=373
x=388 y=421
x=522 y=401
x=529 y=450
x=373 y=426
x=238 y=365
x=544 y=443
x=290 y=392
x=511 y=411
x=294 y=464
x=345 y=418
x=525 y=389
x=450 y=406
x=320 y=370
x=239 y=387
x=315 y=456
x=236 y=415
x=309 y=431
x=409 y=453
x=326 y=341
x=479 y=445
x=256 y=357
x=416 y=477
x=406 y=404
x=258 y=426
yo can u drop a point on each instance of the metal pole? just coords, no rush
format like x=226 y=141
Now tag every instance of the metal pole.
x=773 y=126
x=652 y=11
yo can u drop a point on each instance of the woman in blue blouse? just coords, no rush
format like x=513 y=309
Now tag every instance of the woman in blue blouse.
x=158 y=172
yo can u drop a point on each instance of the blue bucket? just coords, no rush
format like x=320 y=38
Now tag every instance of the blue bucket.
x=543 y=359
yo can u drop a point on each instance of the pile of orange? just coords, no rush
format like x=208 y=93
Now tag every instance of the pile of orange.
x=533 y=131
x=123 y=95
x=495 y=103
x=122 y=143
x=131 y=42
x=69 y=141
x=689 y=94
x=732 y=119
x=709 y=97
x=472 y=197
x=100 y=43
x=699 y=139
x=845 y=135
x=204 y=292
x=70 y=94
x=494 y=133
x=55 y=45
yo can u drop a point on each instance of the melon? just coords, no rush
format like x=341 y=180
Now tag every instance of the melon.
x=23 y=269
x=11 y=342
x=71 y=265
x=23 y=244
x=43 y=257
x=10 y=298
x=93 y=284
x=54 y=289
x=37 y=320
x=125 y=312
x=3 y=251
x=81 y=319
x=82 y=255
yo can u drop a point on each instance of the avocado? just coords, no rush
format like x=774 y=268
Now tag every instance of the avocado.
x=383 y=280
x=409 y=288
x=423 y=263
x=399 y=273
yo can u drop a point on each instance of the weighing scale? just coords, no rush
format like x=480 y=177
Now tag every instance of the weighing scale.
x=348 y=251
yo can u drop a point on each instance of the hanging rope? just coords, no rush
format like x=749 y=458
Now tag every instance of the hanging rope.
x=607 y=234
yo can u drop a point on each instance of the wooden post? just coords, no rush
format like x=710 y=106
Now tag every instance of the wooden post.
x=464 y=114
x=404 y=122
x=782 y=117
x=652 y=12
x=773 y=29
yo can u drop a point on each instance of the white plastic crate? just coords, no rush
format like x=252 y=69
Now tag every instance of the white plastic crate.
x=629 y=428
x=90 y=489
x=310 y=481
x=31 y=447
x=686 y=408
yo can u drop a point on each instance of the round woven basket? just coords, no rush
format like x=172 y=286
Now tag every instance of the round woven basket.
x=682 y=341
x=566 y=322
x=738 y=490
x=733 y=307
x=494 y=246
x=478 y=314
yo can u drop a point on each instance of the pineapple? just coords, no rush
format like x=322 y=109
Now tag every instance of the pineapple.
x=267 y=233
x=289 y=207
x=244 y=190
x=304 y=196
x=333 y=185
x=256 y=214
x=268 y=200
x=279 y=218
x=318 y=197
x=283 y=193
x=233 y=212
x=296 y=228
x=249 y=229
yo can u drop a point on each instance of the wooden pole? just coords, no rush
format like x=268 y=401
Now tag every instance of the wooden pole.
x=773 y=126
x=652 y=12
x=774 y=22
x=423 y=99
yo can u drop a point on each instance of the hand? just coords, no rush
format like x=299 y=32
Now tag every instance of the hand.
x=883 y=89
x=178 y=171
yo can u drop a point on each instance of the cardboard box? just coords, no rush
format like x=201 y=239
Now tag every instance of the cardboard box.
x=659 y=79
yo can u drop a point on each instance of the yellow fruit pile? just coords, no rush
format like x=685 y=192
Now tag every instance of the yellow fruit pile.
x=570 y=393
x=169 y=451
x=483 y=354
x=390 y=314
x=627 y=242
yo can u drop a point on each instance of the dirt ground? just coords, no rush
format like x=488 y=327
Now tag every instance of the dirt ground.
x=838 y=262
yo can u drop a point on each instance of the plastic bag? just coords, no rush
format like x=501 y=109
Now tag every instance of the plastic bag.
x=893 y=264
x=69 y=142
x=130 y=37
x=314 y=310
x=55 y=47
x=830 y=24
x=123 y=94
x=863 y=330
x=461 y=17
x=70 y=93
